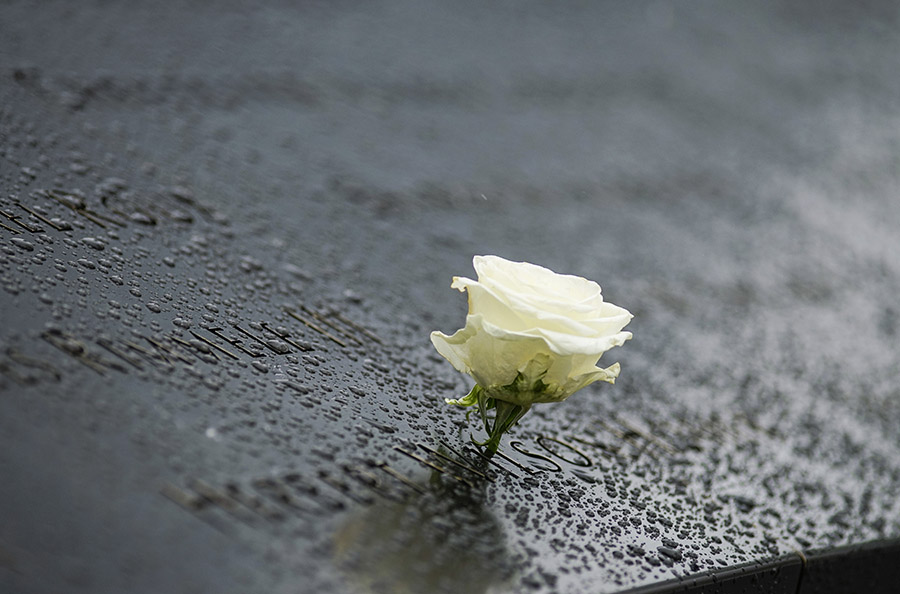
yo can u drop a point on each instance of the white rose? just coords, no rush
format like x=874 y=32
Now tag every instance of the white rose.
x=532 y=335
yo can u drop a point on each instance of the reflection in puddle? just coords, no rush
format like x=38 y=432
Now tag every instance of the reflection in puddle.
x=443 y=540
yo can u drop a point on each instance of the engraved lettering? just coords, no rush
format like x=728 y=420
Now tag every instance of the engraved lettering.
x=344 y=488
x=454 y=462
x=581 y=458
x=371 y=481
x=108 y=344
x=286 y=337
x=434 y=466
x=629 y=436
x=330 y=324
x=610 y=451
x=154 y=358
x=138 y=214
x=16 y=219
x=232 y=341
x=214 y=345
x=278 y=491
x=46 y=369
x=162 y=352
x=259 y=340
x=383 y=466
x=10 y=229
x=356 y=326
x=186 y=499
x=74 y=348
x=195 y=504
x=520 y=447
x=488 y=459
x=295 y=481
x=511 y=461
x=221 y=499
x=42 y=218
x=320 y=330
x=253 y=503
x=77 y=206
x=656 y=440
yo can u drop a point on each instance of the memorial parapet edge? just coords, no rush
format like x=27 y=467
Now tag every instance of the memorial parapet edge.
x=184 y=410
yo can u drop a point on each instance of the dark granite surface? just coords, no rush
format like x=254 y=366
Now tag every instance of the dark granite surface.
x=227 y=232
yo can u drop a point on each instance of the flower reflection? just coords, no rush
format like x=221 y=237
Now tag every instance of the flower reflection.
x=441 y=540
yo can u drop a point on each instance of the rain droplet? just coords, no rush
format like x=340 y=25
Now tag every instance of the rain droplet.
x=22 y=244
x=93 y=242
x=180 y=216
x=213 y=383
x=672 y=554
x=142 y=218
x=200 y=346
x=278 y=346
x=61 y=224
x=182 y=193
x=70 y=200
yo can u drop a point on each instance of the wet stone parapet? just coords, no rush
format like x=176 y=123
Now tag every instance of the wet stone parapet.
x=326 y=427
x=191 y=402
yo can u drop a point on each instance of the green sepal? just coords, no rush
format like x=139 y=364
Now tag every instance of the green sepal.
x=469 y=399
x=506 y=415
